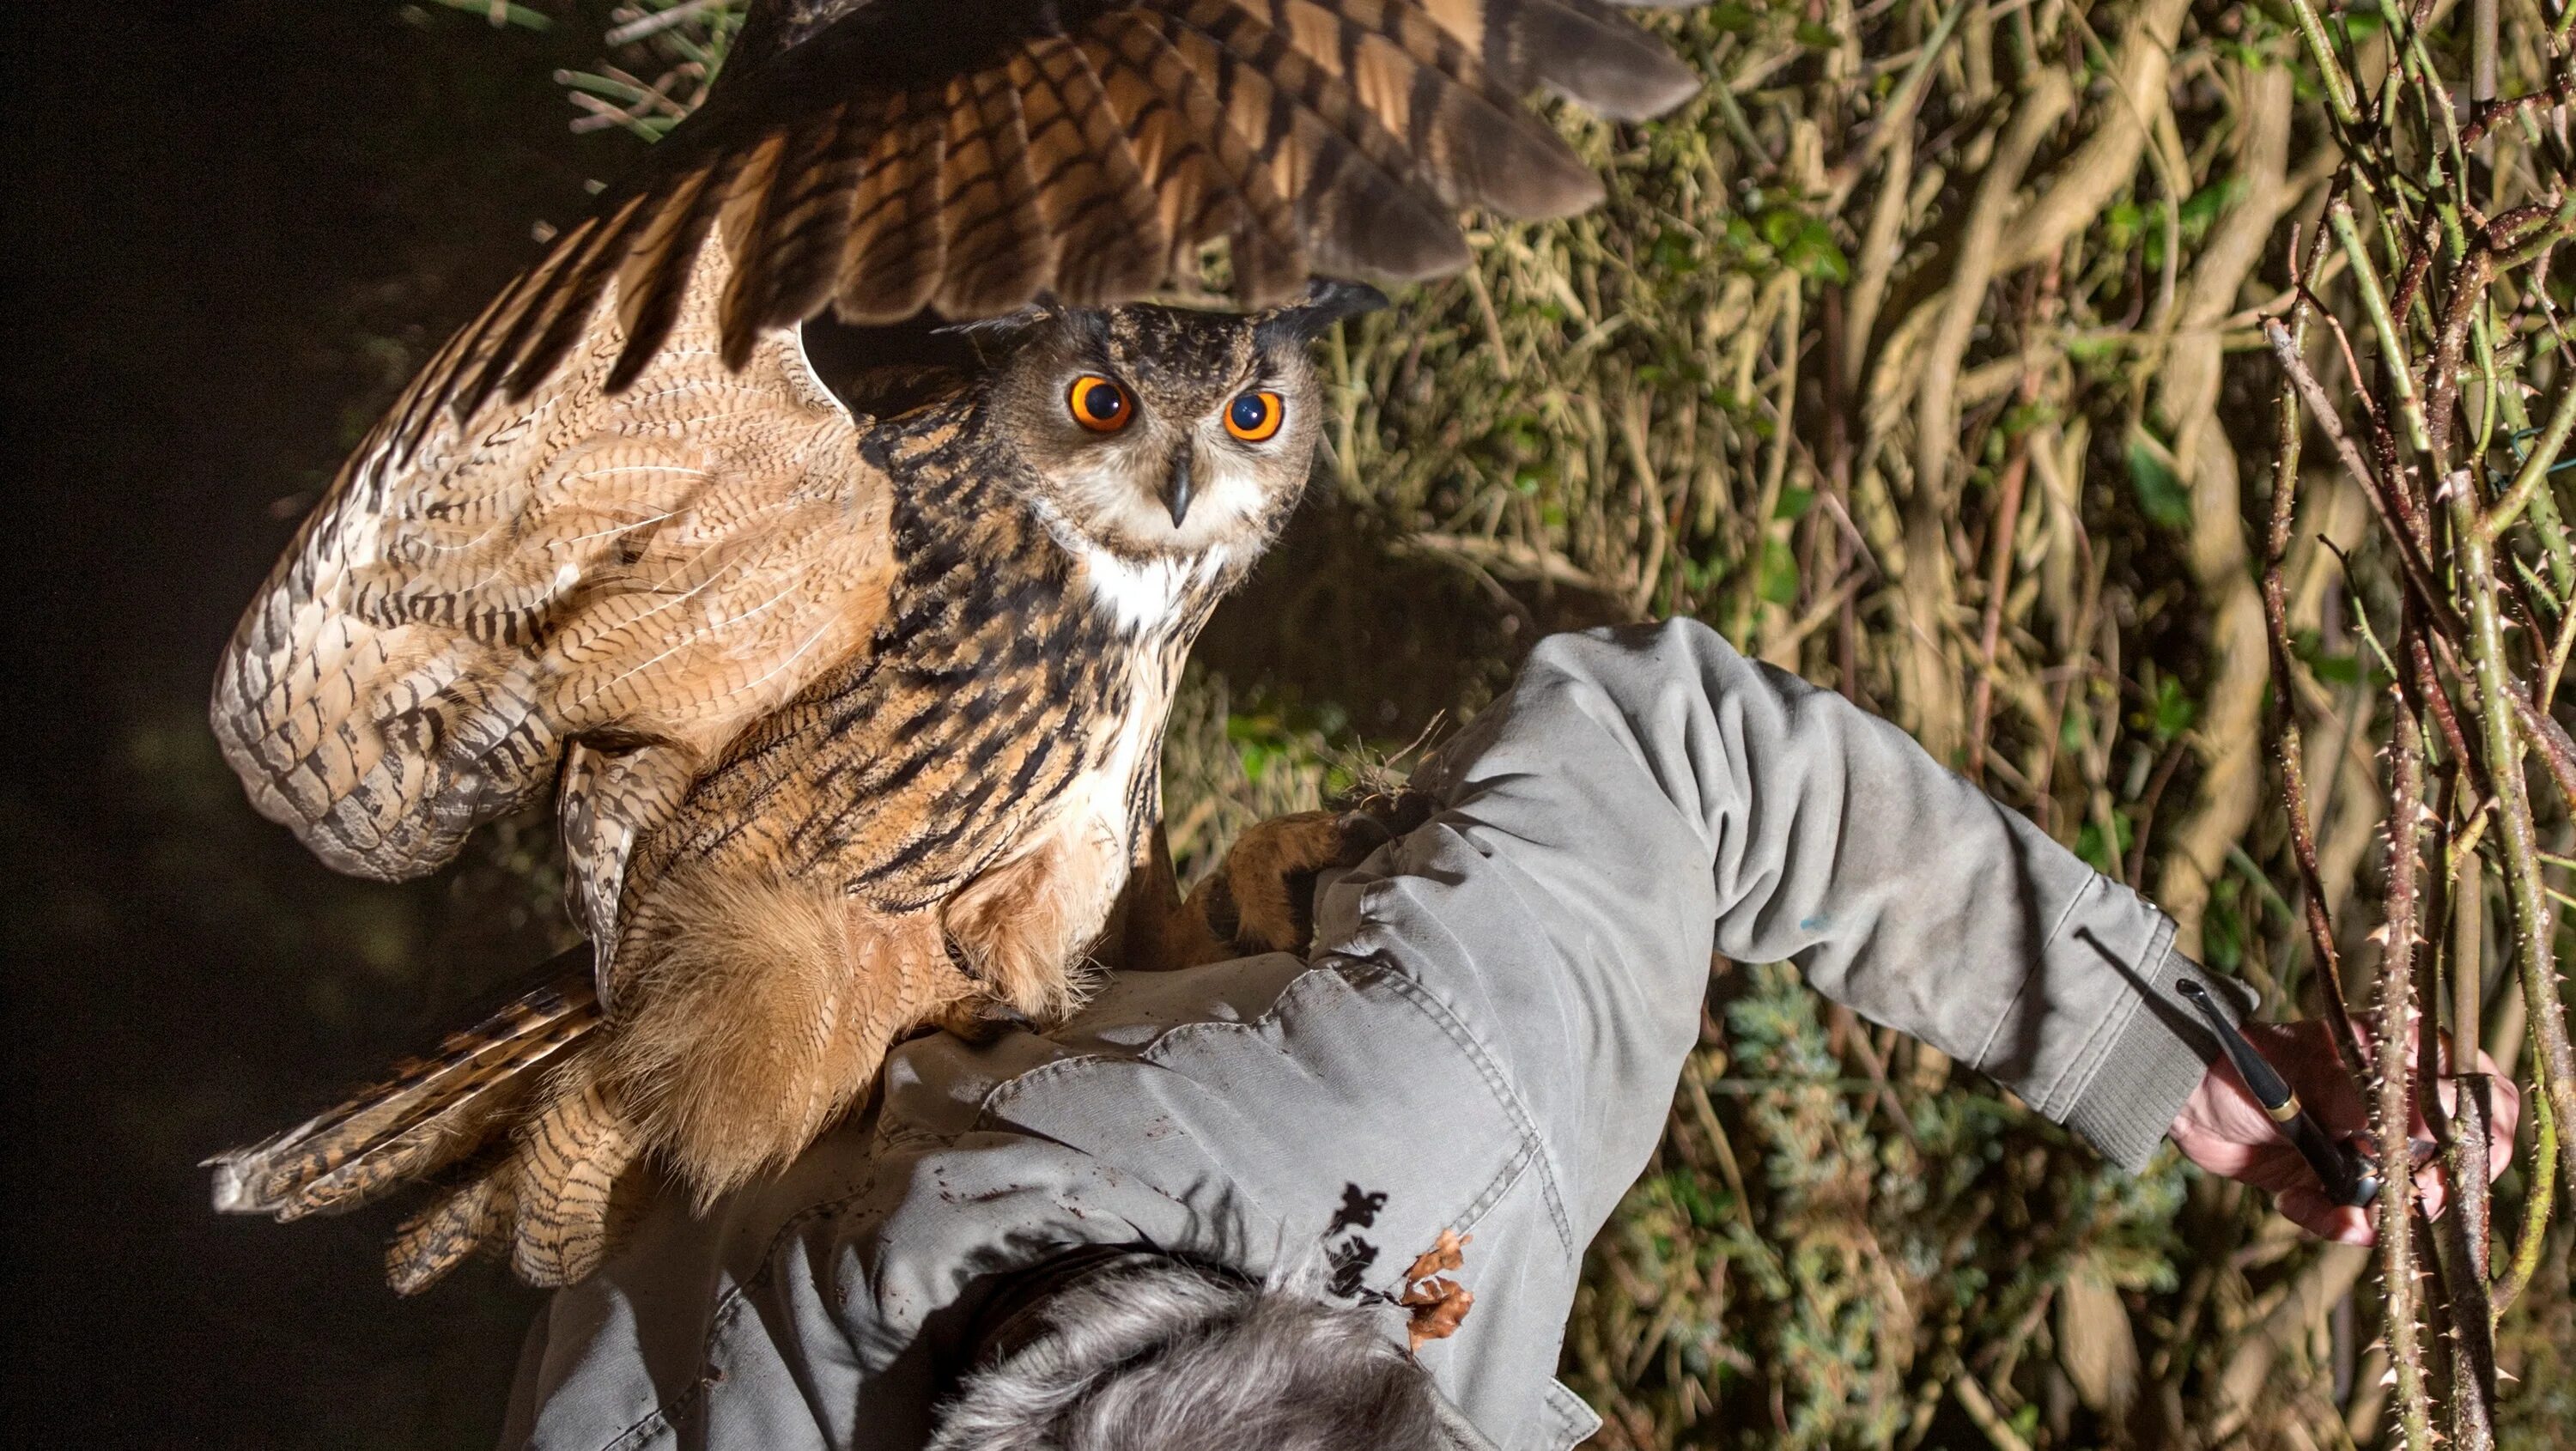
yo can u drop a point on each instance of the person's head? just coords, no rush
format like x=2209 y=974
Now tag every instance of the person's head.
x=1147 y=1352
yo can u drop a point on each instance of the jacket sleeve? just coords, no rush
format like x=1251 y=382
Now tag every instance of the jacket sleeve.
x=1645 y=796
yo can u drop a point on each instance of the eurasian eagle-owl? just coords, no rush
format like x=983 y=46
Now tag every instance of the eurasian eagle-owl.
x=852 y=709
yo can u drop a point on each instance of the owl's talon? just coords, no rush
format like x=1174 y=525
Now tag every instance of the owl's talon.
x=1392 y=814
x=981 y=1020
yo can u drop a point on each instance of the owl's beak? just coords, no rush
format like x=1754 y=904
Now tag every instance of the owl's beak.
x=1176 y=488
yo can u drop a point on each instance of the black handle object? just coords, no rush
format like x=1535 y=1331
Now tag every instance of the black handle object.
x=2346 y=1177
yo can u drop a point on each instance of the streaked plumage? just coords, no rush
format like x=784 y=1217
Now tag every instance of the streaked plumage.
x=855 y=718
x=852 y=710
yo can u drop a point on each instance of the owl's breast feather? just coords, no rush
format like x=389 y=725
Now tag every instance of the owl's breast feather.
x=1105 y=793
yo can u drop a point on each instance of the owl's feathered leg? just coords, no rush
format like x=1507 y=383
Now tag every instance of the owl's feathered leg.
x=609 y=801
x=562 y=1198
x=754 y=1015
x=568 y=1162
x=1262 y=899
x=756 y=1010
x=1023 y=924
x=464 y=1219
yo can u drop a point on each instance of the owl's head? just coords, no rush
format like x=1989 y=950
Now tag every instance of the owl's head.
x=1165 y=432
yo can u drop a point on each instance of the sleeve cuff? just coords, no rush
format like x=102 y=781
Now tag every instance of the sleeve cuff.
x=2140 y=1084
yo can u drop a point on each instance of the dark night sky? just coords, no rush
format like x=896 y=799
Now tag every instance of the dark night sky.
x=232 y=227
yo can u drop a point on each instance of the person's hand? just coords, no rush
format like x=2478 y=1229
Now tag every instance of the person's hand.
x=2222 y=1129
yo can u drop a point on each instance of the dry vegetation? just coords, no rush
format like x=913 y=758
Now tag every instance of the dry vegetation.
x=1939 y=353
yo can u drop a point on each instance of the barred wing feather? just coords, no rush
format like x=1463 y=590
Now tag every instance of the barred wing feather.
x=658 y=565
x=882 y=157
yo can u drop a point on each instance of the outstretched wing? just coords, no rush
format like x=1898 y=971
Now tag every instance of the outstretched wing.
x=967 y=155
x=644 y=570
x=619 y=507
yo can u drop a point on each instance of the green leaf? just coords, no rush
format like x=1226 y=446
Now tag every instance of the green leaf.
x=2207 y=204
x=2344 y=669
x=1676 y=253
x=2021 y=418
x=2123 y=219
x=2106 y=857
x=1813 y=254
x=2172 y=710
x=2093 y=347
x=1779 y=584
x=2222 y=926
x=2160 y=492
x=1794 y=503
x=1816 y=37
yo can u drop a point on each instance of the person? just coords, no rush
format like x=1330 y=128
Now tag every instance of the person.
x=1185 y=1218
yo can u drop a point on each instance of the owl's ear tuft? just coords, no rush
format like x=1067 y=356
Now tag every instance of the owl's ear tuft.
x=1327 y=301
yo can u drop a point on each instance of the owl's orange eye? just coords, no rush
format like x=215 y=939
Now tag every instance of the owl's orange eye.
x=1255 y=416
x=1099 y=403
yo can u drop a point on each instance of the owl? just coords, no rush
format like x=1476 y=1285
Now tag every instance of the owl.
x=849 y=701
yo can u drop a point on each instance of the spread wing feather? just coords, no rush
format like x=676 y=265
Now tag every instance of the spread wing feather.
x=654 y=280
x=897 y=241
x=1092 y=190
x=970 y=154
x=806 y=209
x=998 y=252
x=1203 y=171
x=619 y=507
x=651 y=567
x=1361 y=206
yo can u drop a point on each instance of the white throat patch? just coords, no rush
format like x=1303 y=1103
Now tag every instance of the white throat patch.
x=1144 y=594
x=1137 y=594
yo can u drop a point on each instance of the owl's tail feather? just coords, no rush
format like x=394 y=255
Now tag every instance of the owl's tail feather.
x=433 y=1112
x=555 y=1203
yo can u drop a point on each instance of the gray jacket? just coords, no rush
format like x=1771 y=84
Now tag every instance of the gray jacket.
x=1487 y=1038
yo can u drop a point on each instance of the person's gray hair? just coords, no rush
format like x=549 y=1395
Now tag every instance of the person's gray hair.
x=1154 y=1353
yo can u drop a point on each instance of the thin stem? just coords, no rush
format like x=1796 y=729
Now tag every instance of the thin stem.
x=2538 y=1200
x=2463 y=1244
x=2404 y=1293
x=2497 y=693
x=2288 y=746
x=2374 y=301
x=2534 y=473
x=2381 y=493
x=2340 y=94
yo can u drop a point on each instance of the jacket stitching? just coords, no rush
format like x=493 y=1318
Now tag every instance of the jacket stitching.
x=1495 y=1083
x=1576 y=1421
